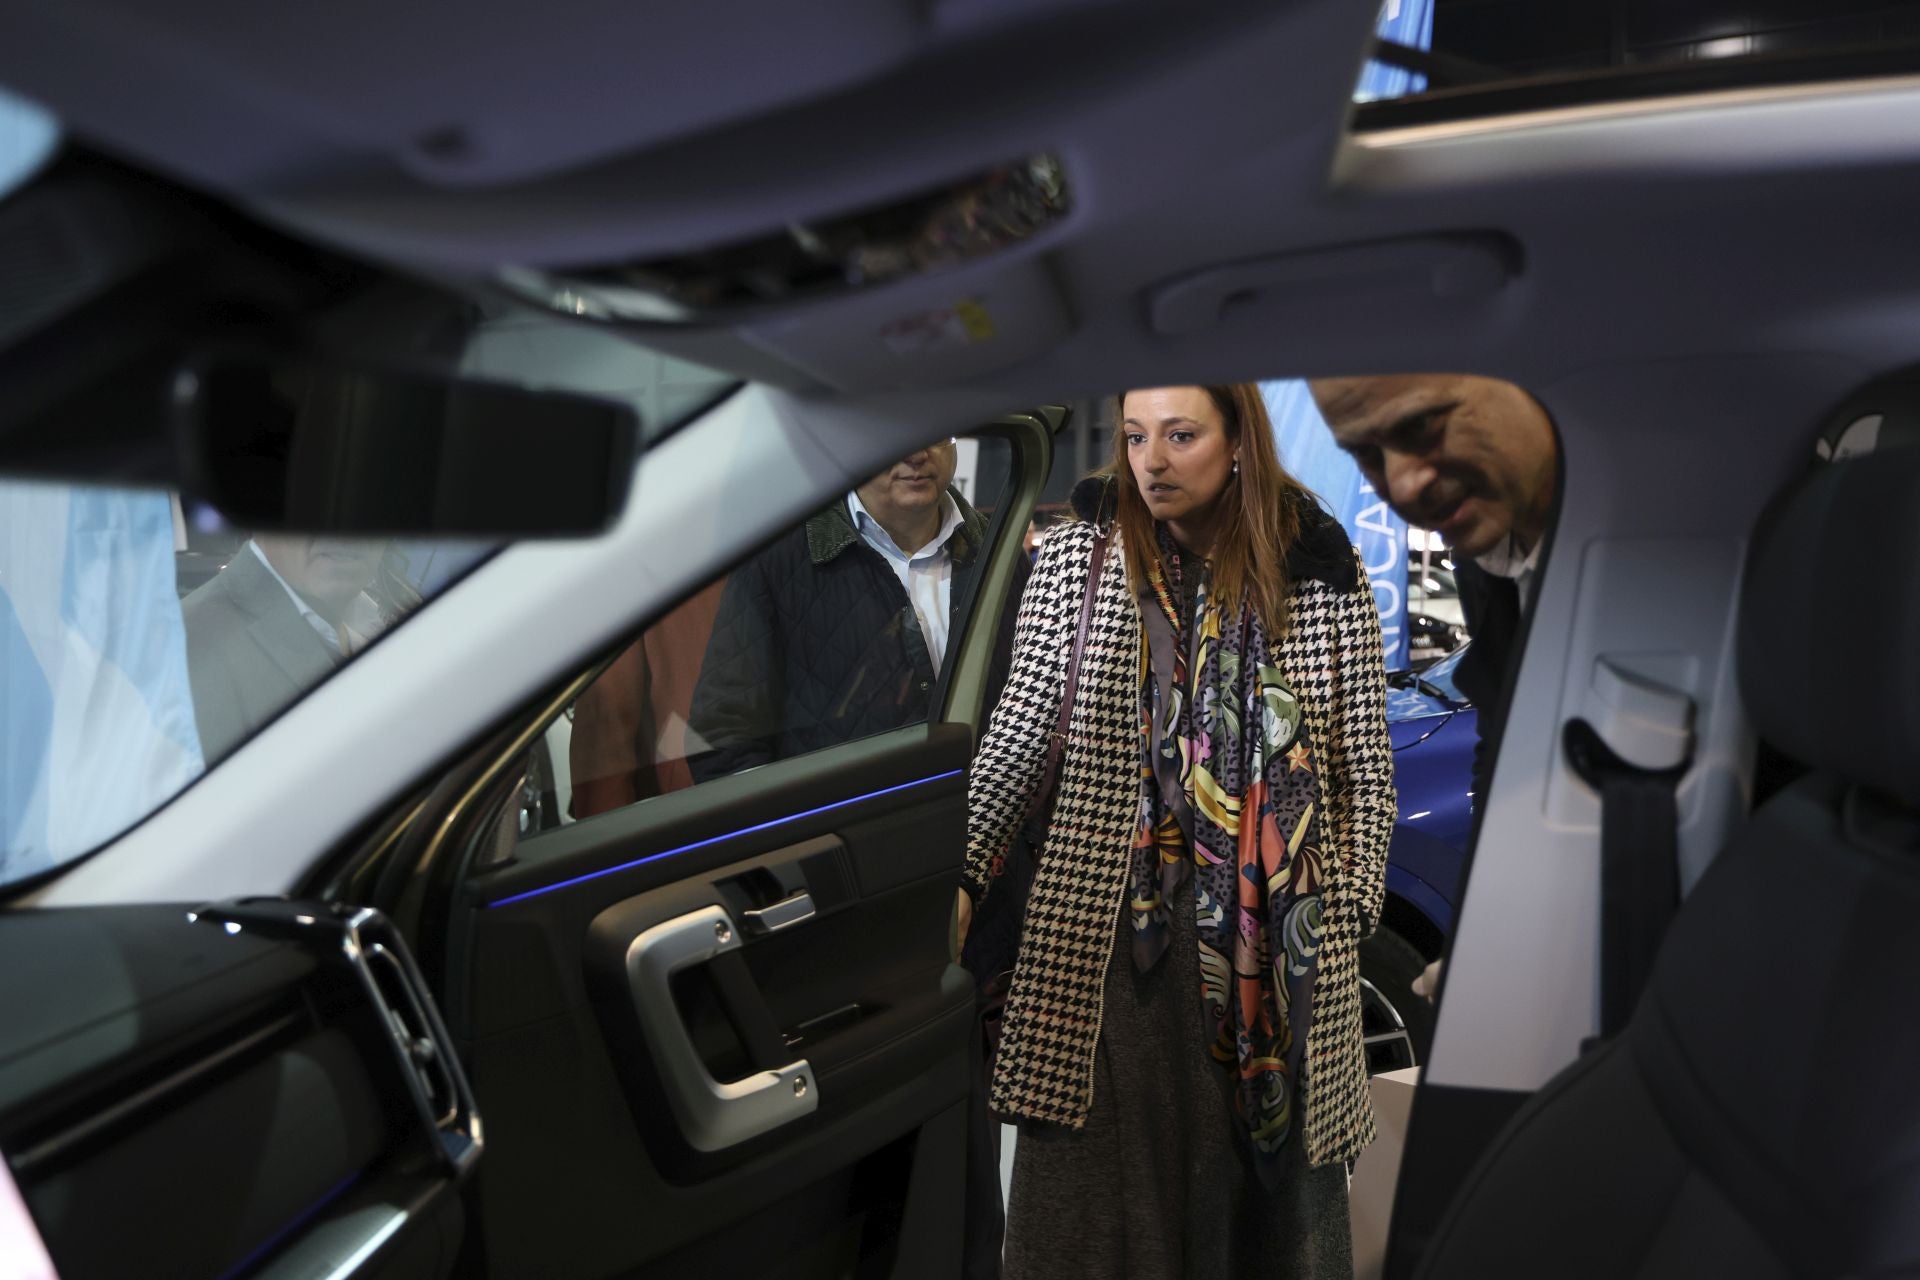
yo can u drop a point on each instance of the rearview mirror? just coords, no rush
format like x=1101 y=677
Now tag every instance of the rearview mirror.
x=301 y=443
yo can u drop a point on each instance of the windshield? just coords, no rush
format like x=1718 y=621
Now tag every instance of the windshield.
x=143 y=637
x=1440 y=676
x=141 y=641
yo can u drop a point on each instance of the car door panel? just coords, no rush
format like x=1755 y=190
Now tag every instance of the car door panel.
x=599 y=1171
x=229 y=1099
x=833 y=993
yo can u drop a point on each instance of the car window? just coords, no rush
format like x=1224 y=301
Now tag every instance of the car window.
x=836 y=630
x=1436 y=60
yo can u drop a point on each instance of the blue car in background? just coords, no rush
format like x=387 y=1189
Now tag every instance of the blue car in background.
x=1434 y=730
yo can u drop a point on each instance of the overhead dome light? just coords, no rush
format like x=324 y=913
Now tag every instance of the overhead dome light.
x=932 y=231
x=1724 y=47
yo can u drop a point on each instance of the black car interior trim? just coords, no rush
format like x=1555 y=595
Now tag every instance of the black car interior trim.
x=567 y=1076
x=233 y=1095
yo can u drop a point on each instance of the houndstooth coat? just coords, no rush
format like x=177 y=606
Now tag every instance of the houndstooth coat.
x=1331 y=654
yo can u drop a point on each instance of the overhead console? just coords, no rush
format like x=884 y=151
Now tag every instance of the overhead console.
x=814 y=294
x=1427 y=279
x=953 y=224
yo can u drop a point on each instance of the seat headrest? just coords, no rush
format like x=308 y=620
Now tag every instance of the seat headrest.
x=1829 y=645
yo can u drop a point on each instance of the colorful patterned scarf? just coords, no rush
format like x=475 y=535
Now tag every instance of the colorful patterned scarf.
x=1229 y=806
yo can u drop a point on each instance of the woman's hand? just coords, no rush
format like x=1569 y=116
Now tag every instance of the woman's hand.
x=963 y=918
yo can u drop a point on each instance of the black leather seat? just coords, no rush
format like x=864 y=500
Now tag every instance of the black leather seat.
x=1760 y=1115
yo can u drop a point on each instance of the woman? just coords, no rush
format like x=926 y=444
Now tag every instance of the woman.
x=1181 y=1042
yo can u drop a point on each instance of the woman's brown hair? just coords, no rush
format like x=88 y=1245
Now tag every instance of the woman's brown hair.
x=1259 y=510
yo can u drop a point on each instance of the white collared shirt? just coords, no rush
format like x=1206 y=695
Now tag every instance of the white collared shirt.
x=1505 y=561
x=927 y=574
x=319 y=624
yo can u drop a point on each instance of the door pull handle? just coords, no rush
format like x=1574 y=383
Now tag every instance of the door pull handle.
x=713 y=1114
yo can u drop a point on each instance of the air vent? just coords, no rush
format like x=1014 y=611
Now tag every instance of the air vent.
x=421 y=1054
x=366 y=941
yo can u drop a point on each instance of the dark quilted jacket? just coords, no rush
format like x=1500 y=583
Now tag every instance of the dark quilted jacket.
x=816 y=643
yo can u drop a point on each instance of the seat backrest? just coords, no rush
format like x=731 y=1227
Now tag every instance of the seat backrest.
x=1760 y=1116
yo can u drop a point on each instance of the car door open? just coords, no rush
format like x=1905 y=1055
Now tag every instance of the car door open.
x=706 y=990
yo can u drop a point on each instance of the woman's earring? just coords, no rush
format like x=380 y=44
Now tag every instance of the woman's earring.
x=1236 y=466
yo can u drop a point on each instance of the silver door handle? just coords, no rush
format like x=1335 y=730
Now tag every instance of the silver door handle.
x=713 y=1114
x=783 y=914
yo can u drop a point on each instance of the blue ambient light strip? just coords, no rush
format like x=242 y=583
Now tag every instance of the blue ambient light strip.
x=279 y=1237
x=712 y=840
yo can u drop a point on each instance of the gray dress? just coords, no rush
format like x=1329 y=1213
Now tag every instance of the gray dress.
x=1160 y=1182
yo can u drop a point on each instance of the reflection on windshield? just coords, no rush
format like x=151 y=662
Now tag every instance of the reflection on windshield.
x=141 y=642
x=99 y=720
x=28 y=136
x=283 y=612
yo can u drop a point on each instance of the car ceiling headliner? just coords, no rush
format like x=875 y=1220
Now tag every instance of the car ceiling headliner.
x=579 y=130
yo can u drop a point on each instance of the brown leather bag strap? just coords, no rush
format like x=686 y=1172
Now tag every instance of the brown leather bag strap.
x=1057 y=740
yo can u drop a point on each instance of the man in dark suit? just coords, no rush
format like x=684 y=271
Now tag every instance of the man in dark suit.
x=1475 y=460
x=277 y=620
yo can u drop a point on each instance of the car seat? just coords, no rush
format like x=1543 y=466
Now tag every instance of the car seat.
x=1760 y=1114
